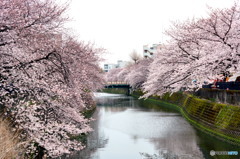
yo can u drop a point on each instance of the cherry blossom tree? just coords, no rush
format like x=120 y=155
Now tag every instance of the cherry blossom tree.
x=112 y=75
x=122 y=75
x=138 y=73
x=134 y=74
x=46 y=77
x=199 y=50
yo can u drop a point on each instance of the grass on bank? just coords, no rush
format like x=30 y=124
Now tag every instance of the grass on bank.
x=9 y=142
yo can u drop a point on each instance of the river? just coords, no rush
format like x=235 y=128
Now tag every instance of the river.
x=128 y=128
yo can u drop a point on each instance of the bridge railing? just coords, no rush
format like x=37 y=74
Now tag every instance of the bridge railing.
x=117 y=83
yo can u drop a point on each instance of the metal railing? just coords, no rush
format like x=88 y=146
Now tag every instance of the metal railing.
x=224 y=85
x=117 y=83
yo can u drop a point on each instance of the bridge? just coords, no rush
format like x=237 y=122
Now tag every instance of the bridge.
x=121 y=85
x=117 y=85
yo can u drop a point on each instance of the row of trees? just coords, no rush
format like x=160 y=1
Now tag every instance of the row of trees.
x=198 y=51
x=46 y=76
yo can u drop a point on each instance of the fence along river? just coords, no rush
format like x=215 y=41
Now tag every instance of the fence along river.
x=128 y=128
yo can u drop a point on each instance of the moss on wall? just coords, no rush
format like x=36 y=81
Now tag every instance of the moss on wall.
x=220 y=120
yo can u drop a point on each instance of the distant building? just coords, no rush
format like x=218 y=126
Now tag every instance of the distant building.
x=108 y=67
x=120 y=64
x=148 y=52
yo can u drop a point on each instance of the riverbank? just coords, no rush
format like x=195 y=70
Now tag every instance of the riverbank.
x=115 y=90
x=87 y=113
x=219 y=120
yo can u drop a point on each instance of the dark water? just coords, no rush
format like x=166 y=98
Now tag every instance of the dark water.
x=127 y=128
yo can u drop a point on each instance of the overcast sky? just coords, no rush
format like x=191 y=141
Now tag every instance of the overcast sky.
x=120 y=26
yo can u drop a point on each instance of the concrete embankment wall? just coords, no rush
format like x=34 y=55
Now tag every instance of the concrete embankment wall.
x=219 y=120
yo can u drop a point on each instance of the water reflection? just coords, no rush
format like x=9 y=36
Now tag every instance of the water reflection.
x=126 y=129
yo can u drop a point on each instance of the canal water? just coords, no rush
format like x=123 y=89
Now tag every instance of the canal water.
x=128 y=128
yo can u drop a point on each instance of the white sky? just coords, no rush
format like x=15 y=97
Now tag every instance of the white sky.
x=120 y=26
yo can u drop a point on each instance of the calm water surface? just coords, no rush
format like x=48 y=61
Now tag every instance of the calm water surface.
x=127 y=128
